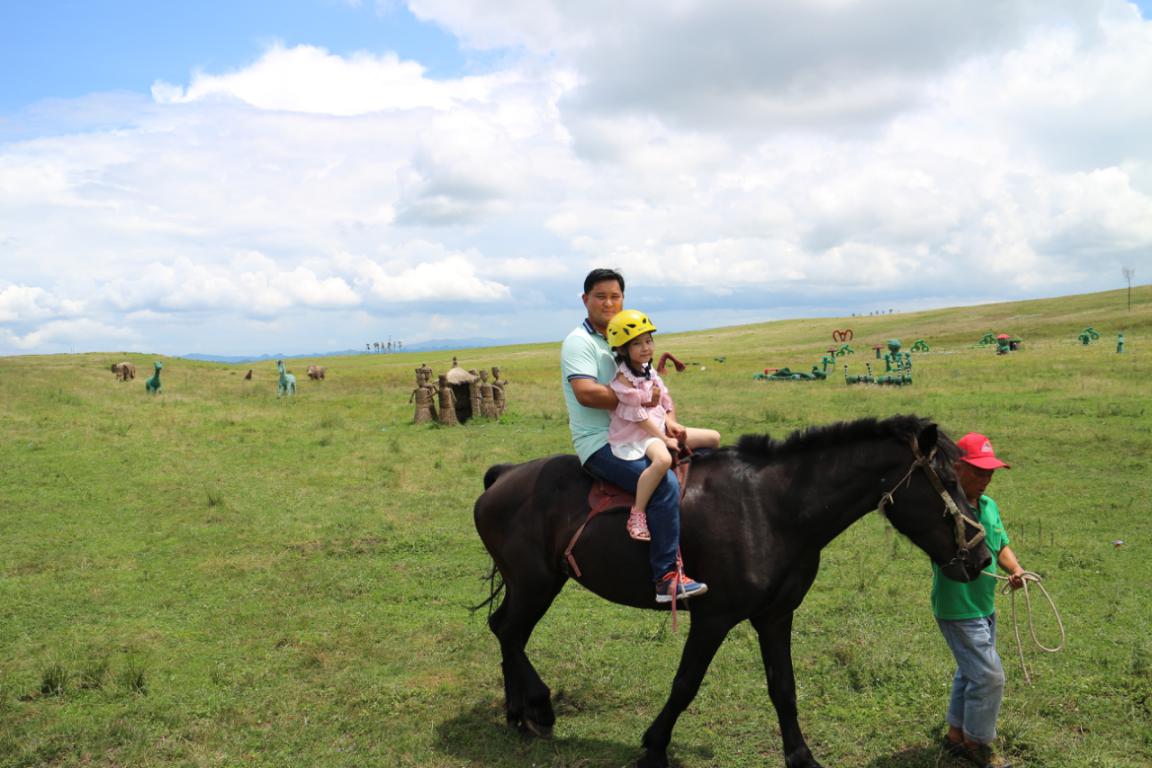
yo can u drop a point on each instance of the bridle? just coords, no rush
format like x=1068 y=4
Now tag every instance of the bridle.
x=964 y=545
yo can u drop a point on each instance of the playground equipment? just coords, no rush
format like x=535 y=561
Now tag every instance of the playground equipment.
x=867 y=378
x=1004 y=342
x=787 y=374
x=819 y=371
x=898 y=367
x=842 y=336
x=1119 y=343
x=152 y=385
x=920 y=346
x=1088 y=335
x=665 y=359
x=895 y=360
x=286 y=385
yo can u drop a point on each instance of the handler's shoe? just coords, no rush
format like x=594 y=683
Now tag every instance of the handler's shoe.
x=985 y=756
x=683 y=588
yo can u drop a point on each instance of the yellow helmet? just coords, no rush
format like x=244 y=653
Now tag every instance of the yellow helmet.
x=627 y=325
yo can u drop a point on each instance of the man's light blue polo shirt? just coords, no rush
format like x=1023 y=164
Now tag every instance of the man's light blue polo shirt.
x=585 y=354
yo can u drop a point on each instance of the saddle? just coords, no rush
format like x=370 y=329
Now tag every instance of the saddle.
x=604 y=496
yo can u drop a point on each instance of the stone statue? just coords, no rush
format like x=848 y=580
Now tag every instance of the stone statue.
x=498 y=391
x=447 y=403
x=474 y=393
x=487 y=401
x=425 y=404
x=423 y=376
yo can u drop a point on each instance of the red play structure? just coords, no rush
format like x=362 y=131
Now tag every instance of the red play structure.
x=664 y=358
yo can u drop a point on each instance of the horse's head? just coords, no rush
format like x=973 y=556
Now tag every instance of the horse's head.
x=928 y=506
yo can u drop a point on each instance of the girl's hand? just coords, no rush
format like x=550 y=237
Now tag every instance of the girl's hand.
x=655 y=401
x=674 y=428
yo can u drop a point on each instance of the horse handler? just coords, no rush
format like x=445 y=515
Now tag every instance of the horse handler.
x=966 y=614
x=588 y=367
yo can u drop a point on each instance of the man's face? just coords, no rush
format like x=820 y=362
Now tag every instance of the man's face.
x=973 y=480
x=603 y=302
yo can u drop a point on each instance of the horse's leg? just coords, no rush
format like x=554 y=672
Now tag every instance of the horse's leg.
x=776 y=650
x=704 y=639
x=527 y=700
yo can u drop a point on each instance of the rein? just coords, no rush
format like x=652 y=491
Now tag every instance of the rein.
x=1029 y=576
x=959 y=518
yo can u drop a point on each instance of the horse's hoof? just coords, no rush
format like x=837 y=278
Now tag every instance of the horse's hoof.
x=653 y=760
x=537 y=730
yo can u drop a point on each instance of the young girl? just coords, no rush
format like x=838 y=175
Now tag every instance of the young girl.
x=639 y=429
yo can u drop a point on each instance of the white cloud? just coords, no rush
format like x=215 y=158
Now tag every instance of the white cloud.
x=730 y=154
x=309 y=79
x=25 y=304
x=69 y=334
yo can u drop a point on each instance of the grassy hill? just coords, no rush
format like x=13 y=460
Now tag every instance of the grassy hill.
x=215 y=576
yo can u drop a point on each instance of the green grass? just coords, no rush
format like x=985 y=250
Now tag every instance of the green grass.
x=218 y=577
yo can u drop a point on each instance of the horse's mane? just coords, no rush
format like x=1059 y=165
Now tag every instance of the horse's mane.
x=764 y=448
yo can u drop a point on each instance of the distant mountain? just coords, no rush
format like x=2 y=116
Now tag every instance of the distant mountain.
x=425 y=346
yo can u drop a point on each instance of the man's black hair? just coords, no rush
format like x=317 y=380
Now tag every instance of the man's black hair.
x=600 y=275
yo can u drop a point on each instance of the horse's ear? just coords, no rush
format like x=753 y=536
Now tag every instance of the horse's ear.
x=927 y=438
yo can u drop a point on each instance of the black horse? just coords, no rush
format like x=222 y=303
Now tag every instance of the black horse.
x=754 y=519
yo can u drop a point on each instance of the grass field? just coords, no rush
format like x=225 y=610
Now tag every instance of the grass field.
x=218 y=577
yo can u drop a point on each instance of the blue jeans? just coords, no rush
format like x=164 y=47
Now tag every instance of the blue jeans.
x=978 y=687
x=663 y=509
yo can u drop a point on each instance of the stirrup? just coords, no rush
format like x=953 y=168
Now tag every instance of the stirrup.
x=638 y=525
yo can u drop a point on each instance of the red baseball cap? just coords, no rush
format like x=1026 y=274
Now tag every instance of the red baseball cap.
x=977 y=450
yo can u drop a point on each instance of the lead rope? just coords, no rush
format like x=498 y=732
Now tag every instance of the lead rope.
x=1029 y=576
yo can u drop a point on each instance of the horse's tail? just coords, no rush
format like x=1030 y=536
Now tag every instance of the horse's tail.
x=494 y=473
x=495 y=587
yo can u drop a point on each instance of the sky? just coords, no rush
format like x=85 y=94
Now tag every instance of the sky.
x=258 y=177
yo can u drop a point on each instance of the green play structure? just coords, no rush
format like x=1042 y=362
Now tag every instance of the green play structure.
x=287 y=383
x=1088 y=335
x=152 y=384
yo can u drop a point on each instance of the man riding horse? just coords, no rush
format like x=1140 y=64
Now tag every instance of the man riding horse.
x=588 y=367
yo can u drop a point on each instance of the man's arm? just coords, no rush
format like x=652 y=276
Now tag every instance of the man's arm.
x=592 y=394
x=1008 y=562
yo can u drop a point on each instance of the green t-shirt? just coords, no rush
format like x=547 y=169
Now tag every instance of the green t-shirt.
x=585 y=354
x=973 y=599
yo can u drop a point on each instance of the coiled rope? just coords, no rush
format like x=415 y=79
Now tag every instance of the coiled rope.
x=1029 y=576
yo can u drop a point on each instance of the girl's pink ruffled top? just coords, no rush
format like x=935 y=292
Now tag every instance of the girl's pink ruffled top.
x=632 y=395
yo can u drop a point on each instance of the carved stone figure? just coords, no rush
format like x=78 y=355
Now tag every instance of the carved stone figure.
x=447 y=403
x=474 y=393
x=487 y=402
x=498 y=391
x=425 y=404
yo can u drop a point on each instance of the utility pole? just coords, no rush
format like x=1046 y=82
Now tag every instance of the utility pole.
x=1128 y=274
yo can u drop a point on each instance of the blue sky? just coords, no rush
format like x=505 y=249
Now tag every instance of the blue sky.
x=260 y=177
x=51 y=49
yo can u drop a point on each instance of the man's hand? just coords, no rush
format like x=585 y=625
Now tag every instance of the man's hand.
x=1016 y=580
